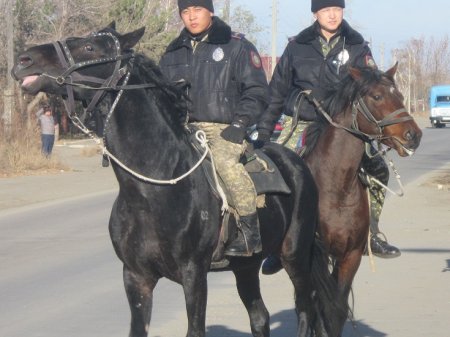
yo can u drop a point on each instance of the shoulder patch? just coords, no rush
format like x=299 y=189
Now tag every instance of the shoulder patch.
x=238 y=36
x=370 y=62
x=255 y=59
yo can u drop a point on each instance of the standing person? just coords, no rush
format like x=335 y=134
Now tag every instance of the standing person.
x=317 y=59
x=47 y=126
x=228 y=92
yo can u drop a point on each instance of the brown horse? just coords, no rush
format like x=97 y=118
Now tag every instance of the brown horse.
x=366 y=107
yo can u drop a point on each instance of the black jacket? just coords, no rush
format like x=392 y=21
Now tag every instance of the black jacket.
x=303 y=65
x=226 y=79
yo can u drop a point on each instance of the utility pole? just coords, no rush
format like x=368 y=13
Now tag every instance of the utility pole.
x=274 y=33
x=226 y=11
x=382 y=56
x=409 y=80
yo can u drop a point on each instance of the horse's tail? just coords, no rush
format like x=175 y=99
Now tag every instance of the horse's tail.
x=331 y=307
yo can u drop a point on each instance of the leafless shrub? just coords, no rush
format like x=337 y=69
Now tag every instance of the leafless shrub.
x=20 y=152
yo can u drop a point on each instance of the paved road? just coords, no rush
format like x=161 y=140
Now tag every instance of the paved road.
x=433 y=154
x=60 y=277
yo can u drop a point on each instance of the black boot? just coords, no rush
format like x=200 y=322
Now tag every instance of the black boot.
x=383 y=249
x=379 y=247
x=271 y=265
x=248 y=240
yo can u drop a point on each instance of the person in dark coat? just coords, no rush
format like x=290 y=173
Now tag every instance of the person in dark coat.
x=317 y=59
x=227 y=88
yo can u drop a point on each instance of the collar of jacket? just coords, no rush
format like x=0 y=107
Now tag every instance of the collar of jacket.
x=219 y=33
x=312 y=32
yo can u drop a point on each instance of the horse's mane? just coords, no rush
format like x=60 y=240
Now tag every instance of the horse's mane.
x=150 y=73
x=339 y=98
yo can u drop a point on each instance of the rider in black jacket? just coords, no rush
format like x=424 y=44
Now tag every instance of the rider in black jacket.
x=303 y=65
x=228 y=92
x=317 y=59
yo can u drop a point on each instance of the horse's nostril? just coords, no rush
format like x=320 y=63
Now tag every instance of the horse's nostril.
x=409 y=135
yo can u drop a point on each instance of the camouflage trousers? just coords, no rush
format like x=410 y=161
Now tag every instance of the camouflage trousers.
x=374 y=166
x=294 y=141
x=377 y=168
x=226 y=158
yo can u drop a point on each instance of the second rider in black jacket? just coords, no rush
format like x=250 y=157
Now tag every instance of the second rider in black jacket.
x=317 y=59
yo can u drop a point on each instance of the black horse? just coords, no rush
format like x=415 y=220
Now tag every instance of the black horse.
x=160 y=228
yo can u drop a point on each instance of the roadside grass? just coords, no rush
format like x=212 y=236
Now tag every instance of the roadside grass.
x=91 y=151
x=20 y=154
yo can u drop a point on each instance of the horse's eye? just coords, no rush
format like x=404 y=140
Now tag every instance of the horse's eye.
x=377 y=97
x=89 y=48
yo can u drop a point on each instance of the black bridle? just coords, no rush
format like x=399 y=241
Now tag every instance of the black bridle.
x=359 y=106
x=71 y=77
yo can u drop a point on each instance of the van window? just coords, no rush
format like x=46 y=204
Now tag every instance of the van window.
x=443 y=99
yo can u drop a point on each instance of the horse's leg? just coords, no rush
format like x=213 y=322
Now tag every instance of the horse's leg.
x=296 y=262
x=195 y=288
x=247 y=282
x=140 y=298
x=344 y=272
x=303 y=304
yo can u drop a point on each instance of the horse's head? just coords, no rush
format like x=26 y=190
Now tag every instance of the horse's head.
x=92 y=60
x=380 y=111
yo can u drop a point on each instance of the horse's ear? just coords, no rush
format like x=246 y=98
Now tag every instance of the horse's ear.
x=355 y=73
x=112 y=25
x=129 y=40
x=391 y=72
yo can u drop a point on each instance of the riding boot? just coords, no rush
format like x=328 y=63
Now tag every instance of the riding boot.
x=379 y=246
x=248 y=240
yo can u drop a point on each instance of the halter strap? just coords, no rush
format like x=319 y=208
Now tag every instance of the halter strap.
x=387 y=120
x=70 y=76
x=360 y=106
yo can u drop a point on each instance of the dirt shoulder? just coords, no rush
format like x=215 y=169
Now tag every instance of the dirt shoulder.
x=84 y=175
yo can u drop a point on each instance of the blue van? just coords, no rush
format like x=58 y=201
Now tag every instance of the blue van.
x=440 y=105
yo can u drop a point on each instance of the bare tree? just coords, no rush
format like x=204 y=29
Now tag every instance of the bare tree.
x=422 y=64
x=8 y=93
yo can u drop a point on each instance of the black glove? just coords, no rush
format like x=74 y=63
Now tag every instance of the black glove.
x=263 y=138
x=234 y=133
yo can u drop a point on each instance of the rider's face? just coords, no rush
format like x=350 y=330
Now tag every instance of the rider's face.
x=196 y=19
x=330 y=19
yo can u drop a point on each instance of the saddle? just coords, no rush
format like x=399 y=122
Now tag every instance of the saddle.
x=265 y=176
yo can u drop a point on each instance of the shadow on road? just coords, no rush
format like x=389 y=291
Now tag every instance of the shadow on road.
x=448 y=267
x=284 y=323
x=360 y=329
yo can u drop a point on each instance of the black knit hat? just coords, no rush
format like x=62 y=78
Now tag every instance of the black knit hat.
x=183 y=4
x=317 y=5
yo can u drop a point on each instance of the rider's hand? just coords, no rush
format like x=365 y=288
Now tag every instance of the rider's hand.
x=263 y=138
x=234 y=133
